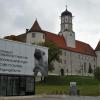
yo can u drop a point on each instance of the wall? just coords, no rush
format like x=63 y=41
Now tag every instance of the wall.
x=39 y=37
x=69 y=38
x=74 y=63
x=98 y=58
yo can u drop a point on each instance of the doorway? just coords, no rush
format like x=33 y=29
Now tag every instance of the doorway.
x=62 y=72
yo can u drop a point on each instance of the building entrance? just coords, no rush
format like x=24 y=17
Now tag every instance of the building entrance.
x=62 y=72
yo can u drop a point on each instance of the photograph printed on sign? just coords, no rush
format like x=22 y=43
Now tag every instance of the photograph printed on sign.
x=41 y=62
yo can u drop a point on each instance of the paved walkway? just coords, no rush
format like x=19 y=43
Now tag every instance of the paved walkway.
x=50 y=97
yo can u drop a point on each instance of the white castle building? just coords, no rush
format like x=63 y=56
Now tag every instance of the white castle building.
x=76 y=56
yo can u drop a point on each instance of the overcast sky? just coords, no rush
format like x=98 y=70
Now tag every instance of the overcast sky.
x=17 y=15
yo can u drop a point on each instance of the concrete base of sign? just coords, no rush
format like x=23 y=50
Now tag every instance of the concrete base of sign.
x=16 y=86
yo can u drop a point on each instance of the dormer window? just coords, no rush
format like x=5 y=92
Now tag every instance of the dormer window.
x=33 y=35
x=70 y=34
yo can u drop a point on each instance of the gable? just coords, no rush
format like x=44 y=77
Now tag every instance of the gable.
x=98 y=47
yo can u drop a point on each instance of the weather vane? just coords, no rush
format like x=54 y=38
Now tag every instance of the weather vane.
x=66 y=4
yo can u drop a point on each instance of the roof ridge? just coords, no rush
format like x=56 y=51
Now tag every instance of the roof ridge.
x=52 y=33
x=83 y=42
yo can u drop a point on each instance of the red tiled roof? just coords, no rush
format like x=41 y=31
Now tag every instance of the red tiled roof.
x=81 y=47
x=59 y=40
x=98 y=47
x=84 y=48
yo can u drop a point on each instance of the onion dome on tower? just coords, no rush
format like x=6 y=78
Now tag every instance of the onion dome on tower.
x=66 y=12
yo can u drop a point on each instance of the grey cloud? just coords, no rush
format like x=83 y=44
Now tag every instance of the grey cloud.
x=17 y=15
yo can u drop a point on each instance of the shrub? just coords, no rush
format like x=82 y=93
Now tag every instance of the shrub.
x=97 y=73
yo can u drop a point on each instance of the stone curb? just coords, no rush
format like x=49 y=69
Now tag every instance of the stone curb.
x=19 y=97
x=44 y=96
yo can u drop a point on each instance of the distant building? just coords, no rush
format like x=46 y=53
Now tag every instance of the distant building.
x=76 y=56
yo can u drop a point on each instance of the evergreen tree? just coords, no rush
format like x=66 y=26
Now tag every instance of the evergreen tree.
x=90 y=69
x=97 y=73
x=53 y=53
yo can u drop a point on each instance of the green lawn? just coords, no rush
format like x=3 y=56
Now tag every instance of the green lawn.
x=60 y=85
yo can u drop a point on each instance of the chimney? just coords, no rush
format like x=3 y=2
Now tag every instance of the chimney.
x=27 y=30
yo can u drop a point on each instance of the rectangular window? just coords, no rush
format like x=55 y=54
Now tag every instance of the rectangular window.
x=65 y=53
x=94 y=58
x=64 y=61
x=43 y=36
x=33 y=35
x=85 y=67
x=61 y=61
x=79 y=56
x=87 y=58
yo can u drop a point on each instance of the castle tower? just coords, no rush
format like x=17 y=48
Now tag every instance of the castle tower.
x=35 y=34
x=67 y=29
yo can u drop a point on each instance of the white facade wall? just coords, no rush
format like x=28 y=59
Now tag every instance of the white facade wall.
x=69 y=38
x=38 y=37
x=98 y=58
x=74 y=63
